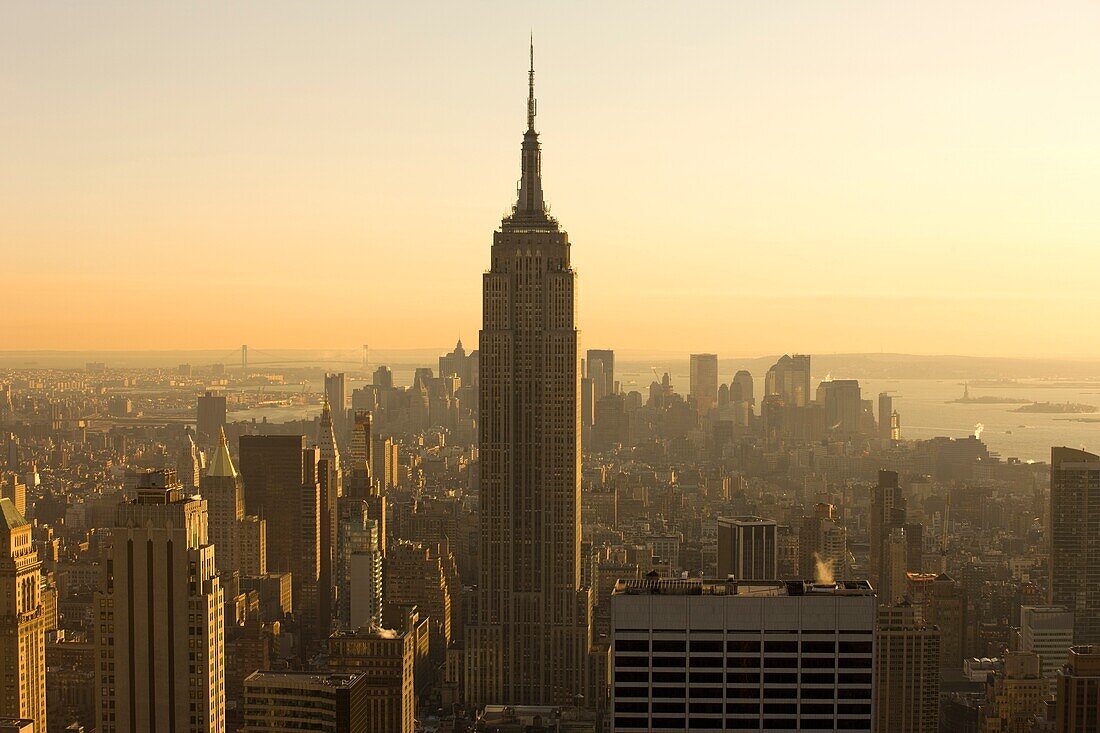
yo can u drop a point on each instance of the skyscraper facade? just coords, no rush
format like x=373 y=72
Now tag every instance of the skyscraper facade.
x=22 y=621
x=907 y=671
x=747 y=548
x=601 y=370
x=1077 y=707
x=160 y=652
x=790 y=379
x=221 y=487
x=210 y=414
x=272 y=468
x=1047 y=631
x=287 y=484
x=336 y=393
x=733 y=655
x=1075 y=539
x=306 y=700
x=703 y=381
x=528 y=640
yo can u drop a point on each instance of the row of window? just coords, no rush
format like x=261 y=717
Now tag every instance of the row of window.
x=780 y=724
x=778 y=678
x=746 y=646
x=747 y=708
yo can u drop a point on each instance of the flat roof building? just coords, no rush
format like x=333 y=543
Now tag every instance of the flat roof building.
x=742 y=655
x=746 y=548
x=295 y=701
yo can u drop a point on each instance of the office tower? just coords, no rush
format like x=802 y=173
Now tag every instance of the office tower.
x=287 y=484
x=885 y=410
x=703 y=381
x=336 y=394
x=1047 y=631
x=314 y=701
x=383 y=377
x=843 y=406
x=361 y=483
x=789 y=378
x=747 y=548
x=601 y=370
x=786 y=552
x=251 y=556
x=358 y=570
x=742 y=655
x=773 y=411
x=888 y=512
x=529 y=642
x=596 y=375
x=12 y=488
x=188 y=462
x=907 y=671
x=386 y=660
x=16 y=725
x=273 y=471
x=946 y=610
x=741 y=388
x=332 y=488
x=210 y=418
x=610 y=427
x=1075 y=539
x=254 y=648
x=822 y=545
x=330 y=451
x=384 y=470
x=22 y=621
x=1015 y=694
x=1077 y=704
x=361 y=449
x=892 y=572
x=416 y=574
x=460 y=364
x=588 y=409
x=224 y=493
x=160 y=650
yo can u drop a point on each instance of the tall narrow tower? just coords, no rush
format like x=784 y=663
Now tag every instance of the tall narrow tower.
x=161 y=644
x=528 y=640
x=223 y=490
x=22 y=622
x=1075 y=539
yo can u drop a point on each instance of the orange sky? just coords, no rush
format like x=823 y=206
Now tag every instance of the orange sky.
x=746 y=178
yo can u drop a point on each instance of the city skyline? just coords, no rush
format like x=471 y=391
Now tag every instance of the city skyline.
x=640 y=528
x=926 y=163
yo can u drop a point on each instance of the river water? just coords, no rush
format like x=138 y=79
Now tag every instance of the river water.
x=924 y=405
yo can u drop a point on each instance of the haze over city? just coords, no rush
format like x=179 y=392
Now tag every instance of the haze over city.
x=742 y=177
x=315 y=415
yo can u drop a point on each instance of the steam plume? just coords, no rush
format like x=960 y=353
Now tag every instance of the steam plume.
x=823 y=570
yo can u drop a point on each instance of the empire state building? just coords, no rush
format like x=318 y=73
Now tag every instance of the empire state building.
x=530 y=630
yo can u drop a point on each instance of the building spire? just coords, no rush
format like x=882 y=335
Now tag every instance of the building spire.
x=530 y=208
x=532 y=105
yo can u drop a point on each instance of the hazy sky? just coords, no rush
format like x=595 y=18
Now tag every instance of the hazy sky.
x=739 y=177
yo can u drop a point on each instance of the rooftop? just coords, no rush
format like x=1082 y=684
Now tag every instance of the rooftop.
x=745 y=520
x=10 y=518
x=712 y=587
x=327 y=679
